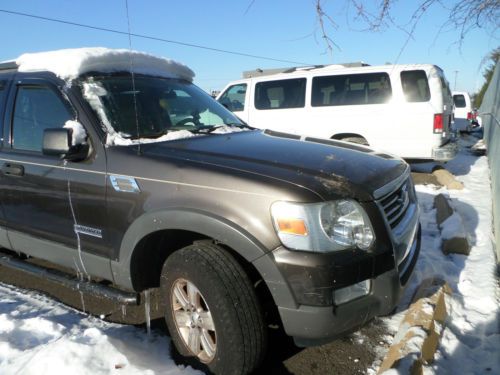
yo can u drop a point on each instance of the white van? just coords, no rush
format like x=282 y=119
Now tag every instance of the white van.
x=462 y=111
x=402 y=109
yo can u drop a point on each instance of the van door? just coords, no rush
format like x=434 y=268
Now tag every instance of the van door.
x=280 y=105
x=235 y=98
x=352 y=105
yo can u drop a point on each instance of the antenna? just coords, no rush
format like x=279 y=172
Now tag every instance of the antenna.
x=133 y=80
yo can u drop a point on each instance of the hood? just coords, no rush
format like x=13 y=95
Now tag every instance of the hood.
x=331 y=169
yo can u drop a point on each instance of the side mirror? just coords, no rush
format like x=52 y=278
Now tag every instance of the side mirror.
x=57 y=142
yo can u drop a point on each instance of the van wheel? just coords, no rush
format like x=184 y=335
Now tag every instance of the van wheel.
x=211 y=310
x=357 y=140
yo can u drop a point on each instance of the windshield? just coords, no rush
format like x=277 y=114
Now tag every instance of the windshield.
x=150 y=107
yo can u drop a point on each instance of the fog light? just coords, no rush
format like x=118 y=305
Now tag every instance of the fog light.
x=352 y=292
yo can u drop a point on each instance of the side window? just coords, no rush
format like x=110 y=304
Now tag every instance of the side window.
x=234 y=97
x=415 y=86
x=351 y=89
x=286 y=93
x=36 y=108
x=459 y=101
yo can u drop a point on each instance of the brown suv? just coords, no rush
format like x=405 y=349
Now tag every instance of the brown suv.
x=144 y=180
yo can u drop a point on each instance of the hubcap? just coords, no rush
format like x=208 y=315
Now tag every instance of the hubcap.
x=193 y=320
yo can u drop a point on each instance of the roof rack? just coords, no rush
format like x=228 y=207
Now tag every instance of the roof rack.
x=266 y=72
x=8 y=65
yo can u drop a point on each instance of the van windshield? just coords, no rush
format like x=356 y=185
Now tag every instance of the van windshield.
x=150 y=107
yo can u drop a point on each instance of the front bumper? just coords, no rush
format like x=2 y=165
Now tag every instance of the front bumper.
x=315 y=325
x=445 y=152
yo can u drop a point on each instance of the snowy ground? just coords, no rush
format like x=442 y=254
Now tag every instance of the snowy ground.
x=41 y=336
x=471 y=339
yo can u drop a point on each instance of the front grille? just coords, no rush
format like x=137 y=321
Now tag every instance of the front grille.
x=396 y=203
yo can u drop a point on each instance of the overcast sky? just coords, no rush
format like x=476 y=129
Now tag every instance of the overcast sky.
x=279 y=29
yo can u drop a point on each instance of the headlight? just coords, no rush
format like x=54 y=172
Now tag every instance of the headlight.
x=322 y=227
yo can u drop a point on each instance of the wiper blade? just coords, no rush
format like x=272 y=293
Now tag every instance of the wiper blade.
x=210 y=129
x=150 y=136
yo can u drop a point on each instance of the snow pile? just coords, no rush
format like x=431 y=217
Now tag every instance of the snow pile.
x=453 y=227
x=78 y=133
x=71 y=63
x=40 y=336
x=471 y=337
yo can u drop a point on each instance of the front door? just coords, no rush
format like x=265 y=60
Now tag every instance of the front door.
x=45 y=197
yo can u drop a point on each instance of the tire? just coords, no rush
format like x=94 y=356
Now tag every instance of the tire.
x=357 y=140
x=226 y=329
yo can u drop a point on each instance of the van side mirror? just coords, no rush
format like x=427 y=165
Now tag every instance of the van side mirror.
x=57 y=142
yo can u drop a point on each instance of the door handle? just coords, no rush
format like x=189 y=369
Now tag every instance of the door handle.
x=10 y=169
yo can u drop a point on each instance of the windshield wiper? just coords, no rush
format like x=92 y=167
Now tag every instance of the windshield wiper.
x=207 y=129
x=150 y=136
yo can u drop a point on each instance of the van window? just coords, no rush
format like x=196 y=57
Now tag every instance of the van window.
x=234 y=97
x=459 y=101
x=352 y=89
x=415 y=86
x=286 y=93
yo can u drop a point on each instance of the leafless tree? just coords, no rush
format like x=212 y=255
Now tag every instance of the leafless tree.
x=463 y=16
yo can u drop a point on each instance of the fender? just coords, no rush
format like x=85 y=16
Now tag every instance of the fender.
x=205 y=223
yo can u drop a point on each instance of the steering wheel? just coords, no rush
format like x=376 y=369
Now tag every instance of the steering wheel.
x=186 y=121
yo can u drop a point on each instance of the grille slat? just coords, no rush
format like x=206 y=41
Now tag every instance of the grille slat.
x=396 y=204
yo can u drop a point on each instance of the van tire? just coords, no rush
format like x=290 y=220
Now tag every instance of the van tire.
x=225 y=290
x=357 y=140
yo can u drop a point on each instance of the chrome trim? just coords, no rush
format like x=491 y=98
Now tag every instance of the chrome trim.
x=391 y=186
x=124 y=184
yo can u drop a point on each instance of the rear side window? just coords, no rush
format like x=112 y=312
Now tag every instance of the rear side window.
x=459 y=101
x=37 y=108
x=352 y=89
x=415 y=86
x=286 y=93
x=234 y=97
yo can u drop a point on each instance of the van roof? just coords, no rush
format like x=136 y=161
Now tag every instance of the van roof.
x=71 y=63
x=334 y=68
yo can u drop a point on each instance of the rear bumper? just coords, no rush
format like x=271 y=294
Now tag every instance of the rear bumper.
x=445 y=152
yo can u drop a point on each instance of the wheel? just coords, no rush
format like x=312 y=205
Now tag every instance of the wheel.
x=211 y=310
x=357 y=140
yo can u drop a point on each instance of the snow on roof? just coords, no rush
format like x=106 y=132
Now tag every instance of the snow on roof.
x=71 y=63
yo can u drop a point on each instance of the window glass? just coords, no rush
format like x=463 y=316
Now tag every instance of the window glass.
x=286 y=93
x=234 y=97
x=156 y=107
x=415 y=86
x=37 y=108
x=459 y=101
x=351 y=89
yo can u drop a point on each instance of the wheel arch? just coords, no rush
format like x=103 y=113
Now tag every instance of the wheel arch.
x=148 y=233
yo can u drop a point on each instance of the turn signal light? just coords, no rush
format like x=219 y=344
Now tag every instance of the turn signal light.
x=292 y=226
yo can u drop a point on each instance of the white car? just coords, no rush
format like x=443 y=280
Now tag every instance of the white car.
x=402 y=109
